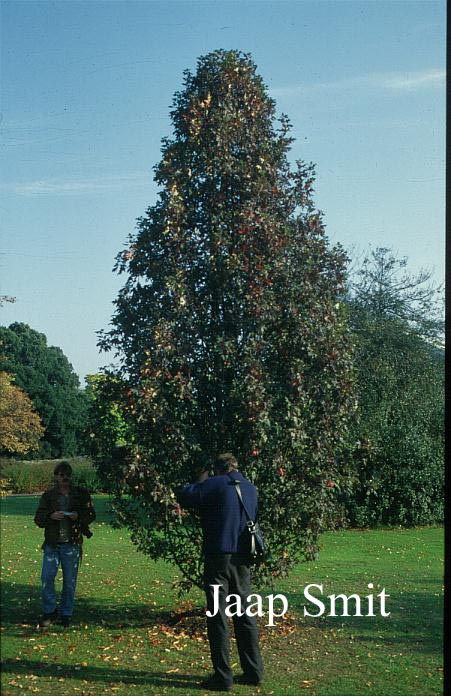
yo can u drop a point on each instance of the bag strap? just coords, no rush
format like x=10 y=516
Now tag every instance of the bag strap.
x=240 y=498
x=250 y=522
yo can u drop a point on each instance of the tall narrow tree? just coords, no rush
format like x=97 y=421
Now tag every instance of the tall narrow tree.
x=229 y=328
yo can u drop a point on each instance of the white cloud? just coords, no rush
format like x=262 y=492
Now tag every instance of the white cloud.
x=411 y=81
x=395 y=81
x=58 y=187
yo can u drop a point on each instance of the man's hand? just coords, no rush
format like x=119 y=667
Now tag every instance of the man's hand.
x=58 y=515
x=73 y=516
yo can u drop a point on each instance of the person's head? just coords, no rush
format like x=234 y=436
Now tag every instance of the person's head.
x=199 y=464
x=225 y=462
x=63 y=473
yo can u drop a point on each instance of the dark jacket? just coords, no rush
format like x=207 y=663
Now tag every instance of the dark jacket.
x=79 y=501
x=222 y=516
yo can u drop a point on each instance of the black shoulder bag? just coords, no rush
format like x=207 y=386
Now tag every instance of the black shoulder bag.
x=251 y=539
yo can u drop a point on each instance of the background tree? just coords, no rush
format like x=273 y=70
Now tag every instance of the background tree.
x=398 y=465
x=229 y=328
x=46 y=375
x=383 y=289
x=20 y=425
x=6 y=298
x=107 y=433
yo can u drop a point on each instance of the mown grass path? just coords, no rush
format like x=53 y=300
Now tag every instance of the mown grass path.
x=126 y=639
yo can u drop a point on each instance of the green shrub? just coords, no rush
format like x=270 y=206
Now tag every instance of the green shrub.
x=86 y=477
x=401 y=483
x=397 y=445
x=26 y=477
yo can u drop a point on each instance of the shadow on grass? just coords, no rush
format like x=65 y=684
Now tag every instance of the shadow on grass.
x=416 y=619
x=21 y=610
x=101 y=674
x=21 y=606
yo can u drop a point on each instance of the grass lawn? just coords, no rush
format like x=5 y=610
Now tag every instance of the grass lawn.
x=126 y=640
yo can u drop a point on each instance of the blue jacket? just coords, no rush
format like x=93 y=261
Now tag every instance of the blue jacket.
x=221 y=513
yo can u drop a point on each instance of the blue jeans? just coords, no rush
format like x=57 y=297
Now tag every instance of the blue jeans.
x=68 y=555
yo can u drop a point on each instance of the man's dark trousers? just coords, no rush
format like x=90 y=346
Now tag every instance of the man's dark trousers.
x=231 y=572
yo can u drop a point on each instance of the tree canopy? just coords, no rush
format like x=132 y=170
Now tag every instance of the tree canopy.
x=230 y=331
x=385 y=289
x=398 y=463
x=20 y=425
x=48 y=378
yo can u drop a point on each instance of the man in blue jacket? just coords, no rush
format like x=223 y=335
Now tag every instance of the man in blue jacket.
x=223 y=520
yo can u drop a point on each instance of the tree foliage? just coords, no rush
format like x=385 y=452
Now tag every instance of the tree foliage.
x=46 y=375
x=107 y=433
x=398 y=463
x=385 y=290
x=20 y=425
x=6 y=298
x=229 y=328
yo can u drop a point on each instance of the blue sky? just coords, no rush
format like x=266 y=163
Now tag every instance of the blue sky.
x=86 y=93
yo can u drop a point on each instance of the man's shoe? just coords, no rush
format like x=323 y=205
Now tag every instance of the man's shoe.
x=215 y=684
x=65 y=621
x=251 y=680
x=48 y=619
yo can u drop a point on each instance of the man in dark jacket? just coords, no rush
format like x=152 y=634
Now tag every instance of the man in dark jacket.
x=223 y=520
x=65 y=513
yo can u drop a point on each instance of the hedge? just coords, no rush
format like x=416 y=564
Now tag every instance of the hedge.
x=36 y=476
